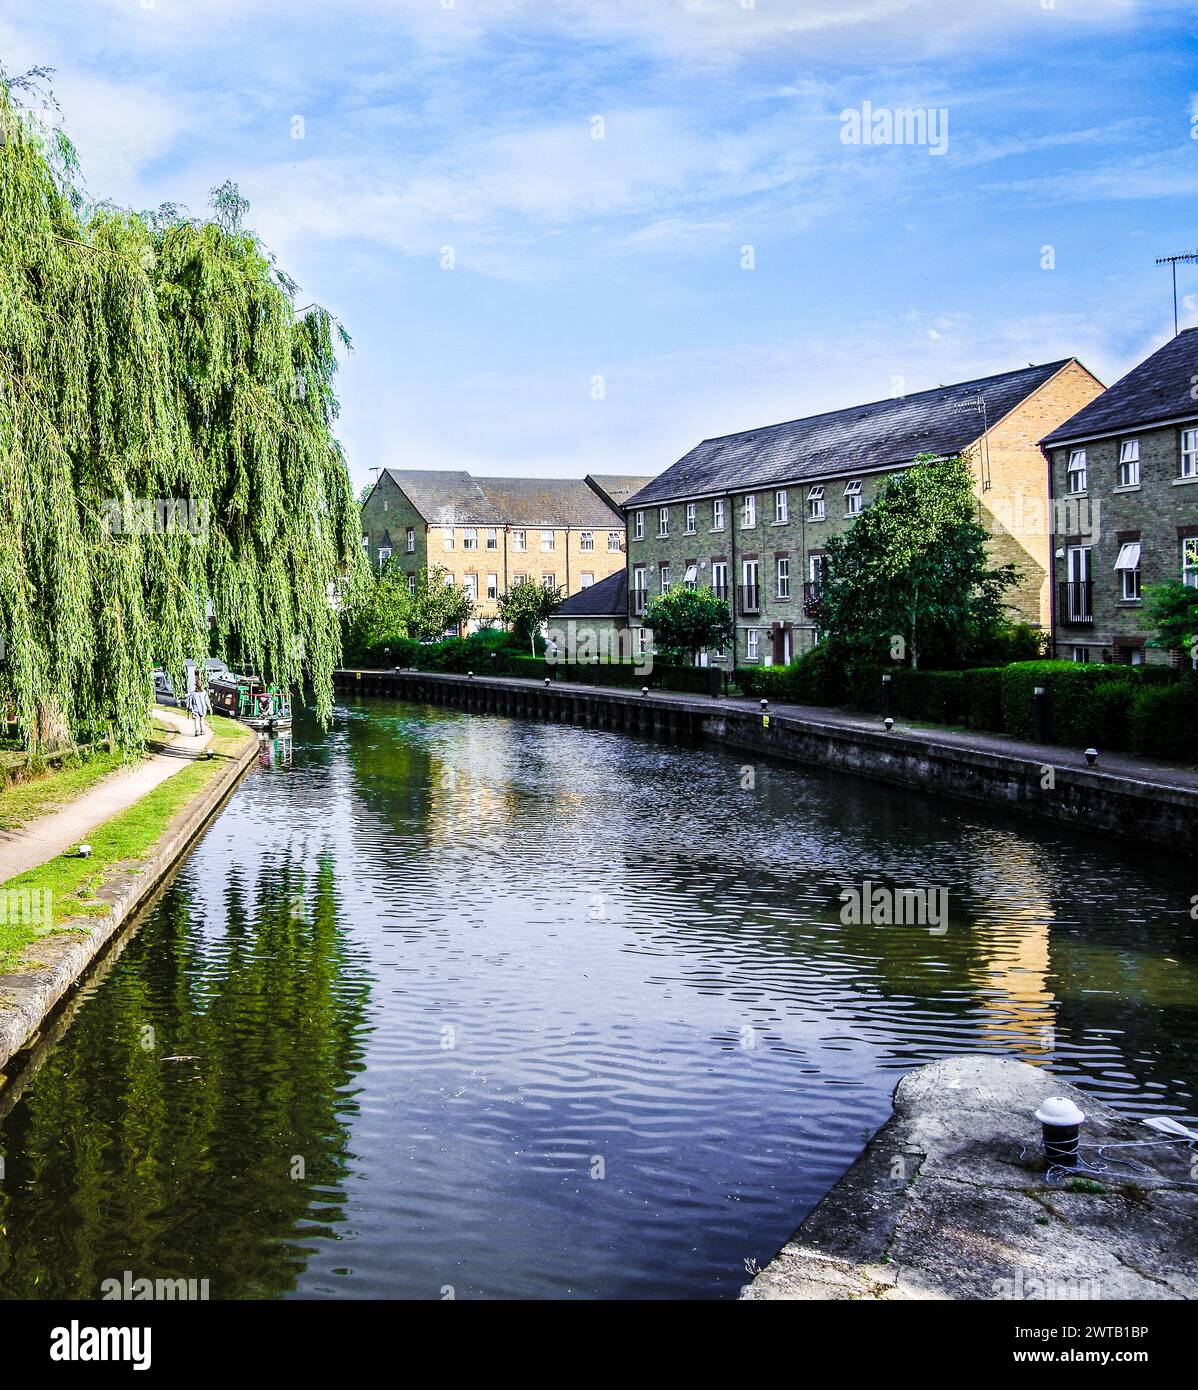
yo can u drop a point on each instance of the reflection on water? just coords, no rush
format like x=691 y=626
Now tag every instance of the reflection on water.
x=453 y=1003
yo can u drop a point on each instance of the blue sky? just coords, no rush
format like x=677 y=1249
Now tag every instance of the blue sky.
x=470 y=124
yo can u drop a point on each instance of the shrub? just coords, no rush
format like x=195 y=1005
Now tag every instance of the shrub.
x=1076 y=714
x=1163 y=721
x=983 y=697
x=1009 y=643
x=1108 y=708
x=816 y=678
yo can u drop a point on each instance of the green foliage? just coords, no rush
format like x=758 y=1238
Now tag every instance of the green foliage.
x=688 y=621
x=1006 y=643
x=1163 y=722
x=816 y=678
x=526 y=606
x=385 y=613
x=142 y=359
x=1076 y=713
x=914 y=566
x=1172 y=610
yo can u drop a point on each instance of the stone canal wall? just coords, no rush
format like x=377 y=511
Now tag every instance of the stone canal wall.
x=1153 y=811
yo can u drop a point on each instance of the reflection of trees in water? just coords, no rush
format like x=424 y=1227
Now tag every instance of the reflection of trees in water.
x=118 y=1158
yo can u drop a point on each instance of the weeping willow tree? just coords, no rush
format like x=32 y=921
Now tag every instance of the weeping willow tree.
x=169 y=480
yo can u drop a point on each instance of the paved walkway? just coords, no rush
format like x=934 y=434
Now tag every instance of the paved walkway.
x=49 y=836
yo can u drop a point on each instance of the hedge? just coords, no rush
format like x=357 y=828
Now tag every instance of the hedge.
x=1075 y=714
x=814 y=679
x=1163 y=722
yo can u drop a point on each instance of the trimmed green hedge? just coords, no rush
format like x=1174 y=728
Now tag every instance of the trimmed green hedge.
x=814 y=679
x=1075 y=712
x=1163 y=722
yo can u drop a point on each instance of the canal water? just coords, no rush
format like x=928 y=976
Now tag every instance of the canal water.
x=449 y=1005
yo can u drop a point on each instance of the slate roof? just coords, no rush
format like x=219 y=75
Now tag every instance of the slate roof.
x=445 y=497
x=549 y=502
x=882 y=434
x=617 y=488
x=608 y=598
x=1155 y=391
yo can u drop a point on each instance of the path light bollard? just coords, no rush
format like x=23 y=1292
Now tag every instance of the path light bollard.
x=887 y=681
x=888 y=724
x=1091 y=756
x=1061 y=1121
x=1040 y=713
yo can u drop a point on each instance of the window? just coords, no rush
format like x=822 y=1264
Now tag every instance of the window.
x=470 y=585
x=691 y=515
x=717 y=514
x=1189 y=453
x=1129 y=463
x=411 y=540
x=615 y=540
x=469 y=538
x=366 y=544
x=852 y=498
x=749 y=599
x=448 y=541
x=492 y=586
x=752 y=644
x=719 y=579
x=783 y=577
x=1128 y=566
x=587 y=580
x=492 y=538
x=548 y=540
x=781 y=505
x=519 y=579
x=586 y=540
x=749 y=511
x=384 y=554
x=638 y=526
x=817 y=508
x=1189 y=561
x=450 y=581
x=1075 y=473
x=1081 y=654
x=411 y=583
x=663 y=521
x=519 y=540
x=642 y=641
x=549 y=581
x=691 y=577
x=665 y=579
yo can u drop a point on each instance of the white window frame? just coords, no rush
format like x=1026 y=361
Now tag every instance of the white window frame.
x=1189 y=561
x=663 y=578
x=492 y=538
x=585 y=579
x=384 y=554
x=411 y=540
x=781 y=506
x=817 y=506
x=663 y=521
x=1077 y=473
x=366 y=544
x=548 y=542
x=717 y=514
x=748 y=513
x=1189 y=453
x=853 y=500
x=492 y=586
x=447 y=541
x=719 y=578
x=470 y=586
x=549 y=581
x=1127 y=563
x=411 y=583
x=638 y=526
x=783 y=576
x=519 y=540
x=615 y=541
x=586 y=540
x=690 y=576
x=752 y=644
x=1129 y=463
x=469 y=537
x=691 y=518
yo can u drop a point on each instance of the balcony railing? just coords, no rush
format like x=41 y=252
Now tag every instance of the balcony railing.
x=749 y=598
x=1074 y=602
x=639 y=599
x=721 y=592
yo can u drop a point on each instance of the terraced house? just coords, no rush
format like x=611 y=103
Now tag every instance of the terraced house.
x=750 y=515
x=490 y=533
x=1125 y=473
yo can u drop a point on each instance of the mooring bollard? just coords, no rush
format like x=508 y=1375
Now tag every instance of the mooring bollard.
x=1061 y=1121
x=765 y=704
x=888 y=724
x=1091 y=756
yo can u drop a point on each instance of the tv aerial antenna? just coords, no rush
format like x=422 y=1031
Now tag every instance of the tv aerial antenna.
x=1173 y=262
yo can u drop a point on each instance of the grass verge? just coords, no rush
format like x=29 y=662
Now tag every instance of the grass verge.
x=25 y=801
x=129 y=836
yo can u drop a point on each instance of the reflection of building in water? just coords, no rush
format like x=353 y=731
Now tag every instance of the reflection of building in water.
x=1012 y=930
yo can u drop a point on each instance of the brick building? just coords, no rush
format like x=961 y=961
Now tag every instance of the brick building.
x=750 y=514
x=1124 y=474
x=489 y=533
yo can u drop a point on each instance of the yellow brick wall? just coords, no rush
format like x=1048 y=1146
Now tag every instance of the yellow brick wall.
x=1015 y=507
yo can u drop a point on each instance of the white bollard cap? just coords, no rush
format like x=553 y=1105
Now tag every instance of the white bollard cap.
x=1059 y=1110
